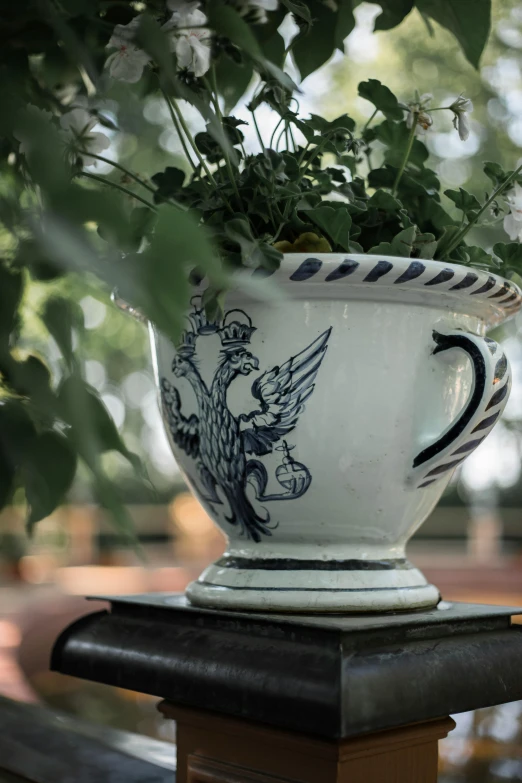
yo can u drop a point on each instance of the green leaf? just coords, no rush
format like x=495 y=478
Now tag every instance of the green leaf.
x=254 y=253
x=336 y=223
x=383 y=200
x=170 y=181
x=41 y=267
x=473 y=256
x=463 y=200
x=395 y=136
x=510 y=254
x=233 y=80
x=153 y=40
x=226 y=21
x=425 y=246
x=61 y=316
x=382 y=249
x=11 y=289
x=47 y=472
x=402 y=243
x=93 y=429
x=448 y=235
x=382 y=98
x=142 y=221
x=393 y=12
x=316 y=47
x=31 y=378
x=468 y=20
x=214 y=303
x=17 y=433
x=496 y=173
x=299 y=9
x=345 y=23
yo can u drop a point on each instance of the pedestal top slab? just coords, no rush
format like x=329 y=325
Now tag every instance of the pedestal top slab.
x=329 y=675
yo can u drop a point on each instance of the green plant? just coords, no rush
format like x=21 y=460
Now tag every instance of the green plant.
x=315 y=185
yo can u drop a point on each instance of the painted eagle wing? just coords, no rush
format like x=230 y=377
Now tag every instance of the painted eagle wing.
x=282 y=392
x=184 y=431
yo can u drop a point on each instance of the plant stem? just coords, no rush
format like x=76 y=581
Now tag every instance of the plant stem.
x=176 y=112
x=369 y=120
x=303 y=171
x=407 y=153
x=176 y=124
x=274 y=132
x=262 y=143
x=117 y=187
x=292 y=137
x=302 y=155
x=312 y=157
x=496 y=193
x=121 y=168
x=193 y=144
x=215 y=98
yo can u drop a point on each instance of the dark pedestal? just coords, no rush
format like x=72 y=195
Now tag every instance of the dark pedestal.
x=312 y=699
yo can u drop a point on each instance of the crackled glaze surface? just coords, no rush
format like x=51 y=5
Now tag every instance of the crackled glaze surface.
x=320 y=431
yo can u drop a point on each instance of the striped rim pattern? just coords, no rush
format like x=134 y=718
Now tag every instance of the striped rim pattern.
x=396 y=271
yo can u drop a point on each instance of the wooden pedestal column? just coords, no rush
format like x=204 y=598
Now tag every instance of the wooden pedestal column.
x=213 y=749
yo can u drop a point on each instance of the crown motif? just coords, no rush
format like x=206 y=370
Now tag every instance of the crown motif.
x=186 y=346
x=198 y=319
x=236 y=332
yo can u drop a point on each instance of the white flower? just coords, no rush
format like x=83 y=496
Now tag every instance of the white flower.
x=254 y=11
x=26 y=139
x=418 y=109
x=461 y=107
x=77 y=134
x=126 y=64
x=513 y=221
x=190 y=40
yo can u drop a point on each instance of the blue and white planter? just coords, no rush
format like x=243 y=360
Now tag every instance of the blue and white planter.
x=320 y=431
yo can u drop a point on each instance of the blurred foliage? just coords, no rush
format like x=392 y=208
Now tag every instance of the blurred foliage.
x=65 y=227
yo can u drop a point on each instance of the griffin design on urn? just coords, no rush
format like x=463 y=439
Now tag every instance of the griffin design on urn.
x=218 y=441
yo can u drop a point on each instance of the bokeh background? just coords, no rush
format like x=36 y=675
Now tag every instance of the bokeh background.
x=471 y=547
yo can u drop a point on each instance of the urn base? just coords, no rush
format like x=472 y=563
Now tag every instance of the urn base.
x=343 y=586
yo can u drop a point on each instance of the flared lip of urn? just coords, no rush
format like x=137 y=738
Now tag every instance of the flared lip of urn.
x=346 y=276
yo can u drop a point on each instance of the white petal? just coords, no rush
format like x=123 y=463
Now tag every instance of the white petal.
x=512 y=227
x=97 y=142
x=201 y=56
x=127 y=65
x=190 y=16
x=463 y=125
x=124 y=33
x=183 y=52
x=78 y=121
x=517 y=196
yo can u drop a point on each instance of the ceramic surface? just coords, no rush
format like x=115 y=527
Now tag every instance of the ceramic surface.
x=320 y=431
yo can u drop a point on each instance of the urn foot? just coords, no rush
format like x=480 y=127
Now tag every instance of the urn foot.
x=313 y=586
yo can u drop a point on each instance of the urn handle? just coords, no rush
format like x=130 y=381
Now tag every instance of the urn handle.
x=490 y=392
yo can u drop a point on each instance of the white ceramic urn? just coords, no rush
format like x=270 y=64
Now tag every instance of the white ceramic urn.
x=319 y=431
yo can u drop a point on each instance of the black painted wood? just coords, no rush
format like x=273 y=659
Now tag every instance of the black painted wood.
x=332 y=676
x=40 y=745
